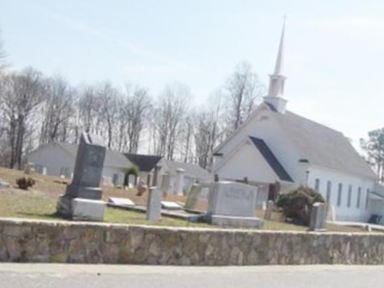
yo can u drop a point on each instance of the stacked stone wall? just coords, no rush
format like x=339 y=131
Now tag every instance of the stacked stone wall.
x=74 y=242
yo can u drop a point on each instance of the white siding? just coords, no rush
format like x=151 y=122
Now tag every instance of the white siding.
x=108 y=175
x=55 y=158
x=265 y=127
x=246 y=161
x=343 y=212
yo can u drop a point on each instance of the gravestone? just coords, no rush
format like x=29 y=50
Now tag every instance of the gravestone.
x=122 y=202
x=318 y=217
x=165 y=186
x=193 y=196
x=44 y=171
x=179 y=182
x=156 y=175
x=232 y=204
x=4 y=184
x=86 y=209
x=170 y=205
x=154 y=204
x=331 y=213
x=86 y=179
x=268 y=210
x=29 y=168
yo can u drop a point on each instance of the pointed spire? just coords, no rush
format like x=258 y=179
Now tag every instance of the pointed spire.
x=276 y=80
x=280 y=53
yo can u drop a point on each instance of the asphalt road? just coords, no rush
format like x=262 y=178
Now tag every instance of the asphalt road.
x=95 y=276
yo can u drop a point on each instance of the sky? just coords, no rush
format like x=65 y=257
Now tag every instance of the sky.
x=334 y=50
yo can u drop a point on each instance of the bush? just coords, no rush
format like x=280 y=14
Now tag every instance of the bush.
x=25 y=182
x=297 y=204
x=134 y=170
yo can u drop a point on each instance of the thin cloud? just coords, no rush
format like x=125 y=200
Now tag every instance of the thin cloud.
x=111 y=38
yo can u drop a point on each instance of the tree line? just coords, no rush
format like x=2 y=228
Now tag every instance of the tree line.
x=37 y=109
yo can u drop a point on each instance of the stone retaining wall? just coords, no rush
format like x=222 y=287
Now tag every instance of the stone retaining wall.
x=46 y=241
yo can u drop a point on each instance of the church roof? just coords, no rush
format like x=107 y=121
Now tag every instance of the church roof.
x=271 y=159
x=112 y=158
x=144 y=162
x=190 y=169
x=322 y=146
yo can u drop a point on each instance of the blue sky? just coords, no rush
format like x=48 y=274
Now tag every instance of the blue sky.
x=334 y=52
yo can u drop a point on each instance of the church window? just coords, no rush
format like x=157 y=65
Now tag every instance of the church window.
x=329 y=191
x=349 y=195
x=366 y=199
x=317 y=185
x=358 y=197
x=339 y=194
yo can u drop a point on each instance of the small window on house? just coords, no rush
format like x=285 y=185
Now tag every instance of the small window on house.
x=339 y=194
x=349 y=195
x=358 y=197
x=317 y=185
x=367 y=199
x=329 y=191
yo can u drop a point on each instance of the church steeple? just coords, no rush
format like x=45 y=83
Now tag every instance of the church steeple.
x=276 y=80
x=280 y=53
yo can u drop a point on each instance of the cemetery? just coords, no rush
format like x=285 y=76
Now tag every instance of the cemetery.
x=216 y=223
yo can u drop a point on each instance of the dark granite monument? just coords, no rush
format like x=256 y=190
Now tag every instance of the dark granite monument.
x=86 y=182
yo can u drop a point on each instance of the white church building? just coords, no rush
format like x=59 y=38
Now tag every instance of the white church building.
x=279 y=150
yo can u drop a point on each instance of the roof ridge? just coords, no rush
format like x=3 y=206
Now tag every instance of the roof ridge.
x=314 y=122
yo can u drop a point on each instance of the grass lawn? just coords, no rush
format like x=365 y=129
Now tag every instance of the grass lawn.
x=35 y=205
x=30 y=204
x=40 y=203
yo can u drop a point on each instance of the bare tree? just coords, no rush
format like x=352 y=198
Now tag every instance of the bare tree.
x=242 y=89
x=186 y=134
x=169 y=112
x=107 y=104
x=208 y=131
x=57 y=111
x=136 y=111
x=374 y=146
x=87 y=109
x=21 y=96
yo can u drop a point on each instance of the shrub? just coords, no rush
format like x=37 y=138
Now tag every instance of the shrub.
x=25 y=182
x=134 y=170
x=296 y=205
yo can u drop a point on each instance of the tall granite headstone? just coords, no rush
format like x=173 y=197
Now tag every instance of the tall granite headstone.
x=86 y=178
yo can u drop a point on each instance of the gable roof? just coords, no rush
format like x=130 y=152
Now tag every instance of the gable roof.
x=145 y=162
x=190 y=169
x=321 y=145
x=112 y=158
x=271 y=159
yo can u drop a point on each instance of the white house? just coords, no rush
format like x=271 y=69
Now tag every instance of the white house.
x=174 y=177
x=58 y=159
x=178 y=177
x=280 y=150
